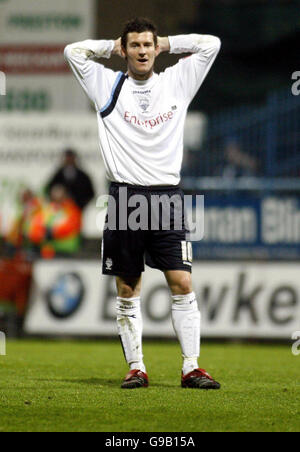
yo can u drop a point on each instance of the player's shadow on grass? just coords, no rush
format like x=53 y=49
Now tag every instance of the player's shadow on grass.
x=94 y=381
x=85 y=381
x=110 y=382
x=100 y=382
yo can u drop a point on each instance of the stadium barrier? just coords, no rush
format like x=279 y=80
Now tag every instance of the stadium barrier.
x=250 y=226
x=261 y=142
x=237 y=300
x=2 y=344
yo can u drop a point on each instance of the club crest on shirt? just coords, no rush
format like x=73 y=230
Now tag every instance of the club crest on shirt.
x=144 y=103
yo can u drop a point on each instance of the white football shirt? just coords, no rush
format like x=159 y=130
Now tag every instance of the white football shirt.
x=141 y=123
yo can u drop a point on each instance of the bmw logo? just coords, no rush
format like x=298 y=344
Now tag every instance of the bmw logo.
x=65 y=296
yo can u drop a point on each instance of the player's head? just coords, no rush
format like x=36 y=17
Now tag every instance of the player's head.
x=69 y=157
x=58 y=194
x=139 y=46
x=27 y=196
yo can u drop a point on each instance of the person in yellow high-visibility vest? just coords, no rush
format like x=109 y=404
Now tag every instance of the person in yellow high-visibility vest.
x=56 y=228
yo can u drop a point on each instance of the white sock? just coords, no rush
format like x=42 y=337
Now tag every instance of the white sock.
x=186 y=322
x=130 y=327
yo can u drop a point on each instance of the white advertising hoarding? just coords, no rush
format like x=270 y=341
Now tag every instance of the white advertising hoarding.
x=40 y=94
x=240 y=300
x=31 y=148
x=43 y=22
x=33 y=34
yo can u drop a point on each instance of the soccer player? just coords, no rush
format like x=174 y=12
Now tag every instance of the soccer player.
x=141 y=118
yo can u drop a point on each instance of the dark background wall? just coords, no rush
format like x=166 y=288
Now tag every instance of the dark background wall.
x=170 y=18
x=260 y=42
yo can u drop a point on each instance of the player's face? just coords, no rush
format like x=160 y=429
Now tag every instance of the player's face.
x=140 y=53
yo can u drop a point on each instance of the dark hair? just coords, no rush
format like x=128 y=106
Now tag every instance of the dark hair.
x=138 y=25
x=69 y=153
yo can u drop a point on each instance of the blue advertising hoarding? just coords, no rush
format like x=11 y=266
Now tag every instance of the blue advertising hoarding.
x=250 y=227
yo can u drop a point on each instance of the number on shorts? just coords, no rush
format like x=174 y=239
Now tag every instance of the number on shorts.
x=187 y=251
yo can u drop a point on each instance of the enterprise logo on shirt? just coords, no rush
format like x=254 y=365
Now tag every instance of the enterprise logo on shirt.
x=149 y=123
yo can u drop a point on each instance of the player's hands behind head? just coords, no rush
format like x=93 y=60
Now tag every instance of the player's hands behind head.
x=163 y=44
x=117 y=50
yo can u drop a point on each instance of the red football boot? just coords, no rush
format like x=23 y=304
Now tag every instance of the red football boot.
x=200 y=379
x=135 y=379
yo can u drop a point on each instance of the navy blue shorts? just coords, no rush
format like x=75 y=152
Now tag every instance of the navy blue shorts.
x=145 y=225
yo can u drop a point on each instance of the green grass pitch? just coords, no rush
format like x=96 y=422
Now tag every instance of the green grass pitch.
x=75 y=386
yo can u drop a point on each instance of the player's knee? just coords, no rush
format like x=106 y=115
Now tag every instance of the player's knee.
x=128 y=287
x=182 y=285
x=125 y=291
x=185 y=287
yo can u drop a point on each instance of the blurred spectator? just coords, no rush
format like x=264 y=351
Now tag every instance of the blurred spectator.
x=29 y=206
x=46 y=227
x=56 y=228
x=15 y=277
x=237 y=163
x=77 y=183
